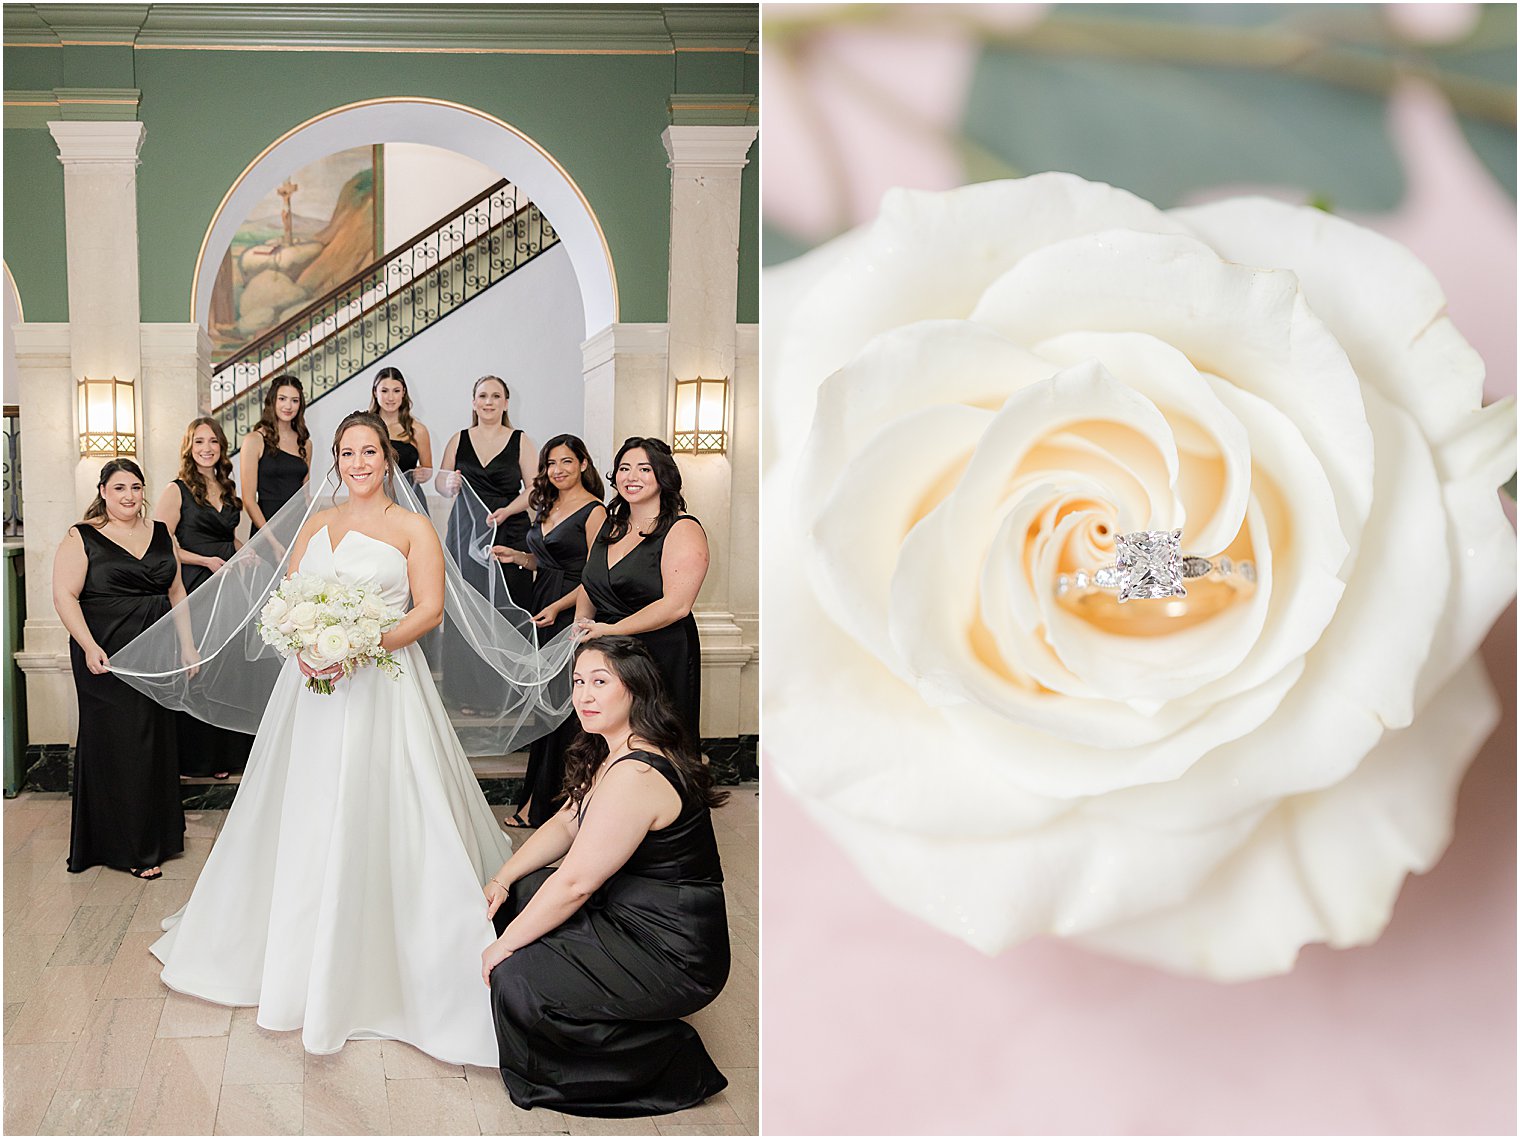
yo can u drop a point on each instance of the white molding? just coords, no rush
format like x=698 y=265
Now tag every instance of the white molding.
x=38 y=342
x=747 y=339
x=711 y=147
x=172 y=342
x=96 y=143
x=624 y=340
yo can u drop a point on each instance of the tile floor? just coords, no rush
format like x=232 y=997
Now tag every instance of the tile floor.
x=95 y=1045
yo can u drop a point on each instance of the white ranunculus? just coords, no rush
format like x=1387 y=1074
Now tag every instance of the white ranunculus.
x=332 y=644
x=976 y=393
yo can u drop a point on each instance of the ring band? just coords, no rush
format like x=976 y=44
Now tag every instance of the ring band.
x=1150 y=566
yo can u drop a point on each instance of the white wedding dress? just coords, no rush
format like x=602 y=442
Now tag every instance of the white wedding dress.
x=343 y=895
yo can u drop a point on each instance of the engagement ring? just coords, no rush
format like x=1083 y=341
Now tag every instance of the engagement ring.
x=1150 y=566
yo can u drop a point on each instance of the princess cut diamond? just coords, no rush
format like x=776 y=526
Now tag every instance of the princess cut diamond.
x=1150 y=565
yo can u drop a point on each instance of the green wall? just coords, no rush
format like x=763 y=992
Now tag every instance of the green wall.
x=209 y=113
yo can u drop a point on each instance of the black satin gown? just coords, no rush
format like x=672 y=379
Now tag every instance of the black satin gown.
x=408 y=458
x=586 y=1016
x=626 y=588
x=126 y=811
x=496 y=483
x=281 y=476
x=561 y=557
x=205 y=749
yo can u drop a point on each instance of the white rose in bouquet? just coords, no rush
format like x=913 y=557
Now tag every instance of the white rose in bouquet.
x=373 y=607
x=275 y=609
x=969 y=401
x=303 y=616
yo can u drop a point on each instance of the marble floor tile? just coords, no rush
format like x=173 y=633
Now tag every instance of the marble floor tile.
x=31 y=1077
x=731 y=1043
x=345 y=1092
x=190 y=1016
x=717 y=1112
x=585 y=1125
x=134 y=972
x=44 y=911
x=166 y=897
x=743 y=1094
x=180 y=1088
x=431 y=1107
x=258 y=1056
x=60 y=1005
x=41 y=847
x=19 y=827
x=113 y=1050
x=188 y=865
x=259 y=1109
x=498 y=1115
x=94 y=935
x=116 y=888
x=404 y=1062
x=12 y=1008
x=97 y=1111
x=26 y=956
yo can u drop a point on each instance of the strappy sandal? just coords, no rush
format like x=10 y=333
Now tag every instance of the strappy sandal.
x=152 y=874
x=517 y=822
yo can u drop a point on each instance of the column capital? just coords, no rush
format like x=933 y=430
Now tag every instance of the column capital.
x=94 y=142
x=708 y=146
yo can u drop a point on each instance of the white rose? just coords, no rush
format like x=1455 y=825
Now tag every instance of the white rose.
x=303 y=615
x=367 y=634
x=332 y=644
x=373 y=607
x=975 y=394
x=275 y=610
x=308 y=637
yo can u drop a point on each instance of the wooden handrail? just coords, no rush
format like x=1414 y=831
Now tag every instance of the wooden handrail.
x=285 y=325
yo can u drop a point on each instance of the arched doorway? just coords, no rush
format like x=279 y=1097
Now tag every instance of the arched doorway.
x=432 y=122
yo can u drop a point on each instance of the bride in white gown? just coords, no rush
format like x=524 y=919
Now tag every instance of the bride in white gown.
x=343 y=895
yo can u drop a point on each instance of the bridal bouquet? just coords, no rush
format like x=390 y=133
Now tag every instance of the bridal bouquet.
x=326 y=623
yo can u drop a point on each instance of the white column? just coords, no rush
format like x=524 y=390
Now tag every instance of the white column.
x=52 y=482
x=705 y=165
x=175 y=388
x=102 y=339
x=100 y=218
x=624 y=367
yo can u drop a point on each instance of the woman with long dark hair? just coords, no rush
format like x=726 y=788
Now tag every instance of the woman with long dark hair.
x=644 y=571
x=276 y=456
x=115 y=574
x=201 y=508
x=566 y=502
x=598 y=959
x=391 y=401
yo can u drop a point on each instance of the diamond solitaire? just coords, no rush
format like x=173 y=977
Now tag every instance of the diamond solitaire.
x=1150 y=565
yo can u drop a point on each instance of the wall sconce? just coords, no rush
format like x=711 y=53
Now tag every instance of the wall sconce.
x=107 y=418
x=701 y=410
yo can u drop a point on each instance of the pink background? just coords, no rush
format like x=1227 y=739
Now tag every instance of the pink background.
x=875 y=1023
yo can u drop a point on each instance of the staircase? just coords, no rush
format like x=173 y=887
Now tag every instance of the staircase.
x=381 y=307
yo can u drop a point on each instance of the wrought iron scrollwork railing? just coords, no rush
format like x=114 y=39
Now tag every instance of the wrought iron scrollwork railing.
x=382 y=307
x=12 y=463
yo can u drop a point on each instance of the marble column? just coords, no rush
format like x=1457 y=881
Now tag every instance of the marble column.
x=175 y=388
x=101 y=339
x=705 y=166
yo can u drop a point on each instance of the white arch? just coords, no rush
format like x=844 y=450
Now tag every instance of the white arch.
x=432 y=122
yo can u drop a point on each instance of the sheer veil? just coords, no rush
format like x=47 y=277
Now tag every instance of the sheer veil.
x=502 y=688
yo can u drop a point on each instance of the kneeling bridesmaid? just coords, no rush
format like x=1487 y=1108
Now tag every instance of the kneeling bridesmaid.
x=597 y=960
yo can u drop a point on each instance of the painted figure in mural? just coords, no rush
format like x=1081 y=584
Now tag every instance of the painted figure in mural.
x=115 y=574
x=566 y=503
x=598 y=959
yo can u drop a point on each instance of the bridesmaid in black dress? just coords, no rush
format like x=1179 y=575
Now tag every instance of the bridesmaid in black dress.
x=276 y=458
x=501 y=482
x=390 y=400
x=566 y=502
x=202 y=510
x=597 y=960
x=115 y=574
x=644 y=570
